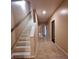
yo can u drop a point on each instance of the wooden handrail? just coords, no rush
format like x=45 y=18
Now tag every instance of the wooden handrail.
x=16 y=25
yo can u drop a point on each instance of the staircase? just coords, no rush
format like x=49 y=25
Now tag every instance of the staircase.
x=23 y=48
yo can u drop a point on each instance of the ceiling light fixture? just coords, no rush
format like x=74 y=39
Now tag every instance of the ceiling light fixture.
x=43 y=12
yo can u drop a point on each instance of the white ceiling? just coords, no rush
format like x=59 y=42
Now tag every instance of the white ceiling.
x=48 y=5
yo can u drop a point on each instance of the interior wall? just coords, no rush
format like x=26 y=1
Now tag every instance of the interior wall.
x=13 y=36
x=36 y=34
x=49 y=31
x=39 y=30
x=34 y=38
x=19 y=11
x=61 y=26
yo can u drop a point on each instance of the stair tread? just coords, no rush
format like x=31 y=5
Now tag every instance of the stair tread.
x=24 y=38
x=22 y=50
x=23 y=46
x=23 y=42
x=21 y=54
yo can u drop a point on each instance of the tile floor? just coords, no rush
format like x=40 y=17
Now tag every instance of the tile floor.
x=46 y=50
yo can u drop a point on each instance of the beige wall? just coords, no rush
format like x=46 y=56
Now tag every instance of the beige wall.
x=49 y=31
x=20 y=10
x=13 y=36
x=18 y=13
x=61 y=27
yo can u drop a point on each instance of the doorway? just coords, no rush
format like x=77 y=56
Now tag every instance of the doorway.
x=53 y=31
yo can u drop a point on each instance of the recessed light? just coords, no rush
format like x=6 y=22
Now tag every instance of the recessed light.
x=43 y=12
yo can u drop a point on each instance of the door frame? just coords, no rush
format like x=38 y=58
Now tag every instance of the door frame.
x=51 y=30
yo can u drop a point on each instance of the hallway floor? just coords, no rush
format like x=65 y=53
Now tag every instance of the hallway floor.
x=47 y=50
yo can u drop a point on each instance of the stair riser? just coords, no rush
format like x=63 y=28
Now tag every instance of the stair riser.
x=22 y=50
x=22 y=44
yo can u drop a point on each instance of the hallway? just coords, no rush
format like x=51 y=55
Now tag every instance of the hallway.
x=48 y=50
x=39 y=29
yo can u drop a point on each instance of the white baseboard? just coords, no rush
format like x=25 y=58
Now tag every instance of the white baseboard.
x=62 y=49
